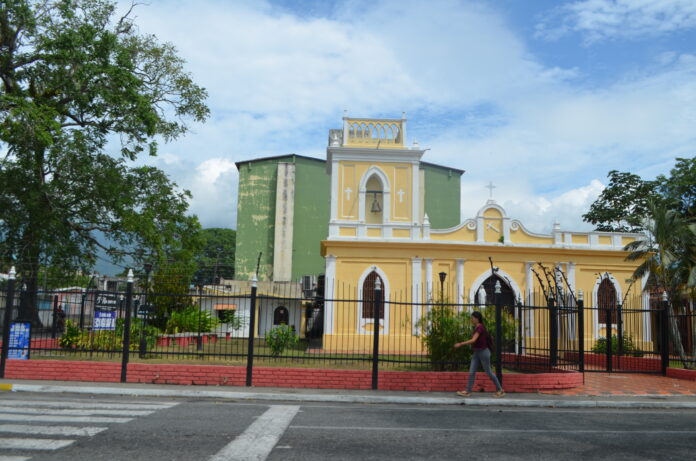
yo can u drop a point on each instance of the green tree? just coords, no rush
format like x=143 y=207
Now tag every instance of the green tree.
x=679 y=189
x=216 y=258
x=76 y=84
x=668 y=258
x=622 y=205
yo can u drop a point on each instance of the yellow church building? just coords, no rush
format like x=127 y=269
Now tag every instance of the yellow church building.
x=380 y=233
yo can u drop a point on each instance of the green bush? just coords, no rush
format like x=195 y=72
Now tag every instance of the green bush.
x=600 y=347
x=106 y=340
x=191 y=319
x=442 y=327
x=232 y=320
x=280 y=338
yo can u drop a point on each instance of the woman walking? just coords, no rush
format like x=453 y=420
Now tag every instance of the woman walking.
x=482 y=354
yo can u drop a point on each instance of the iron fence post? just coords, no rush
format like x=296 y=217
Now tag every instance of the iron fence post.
x=127 y=327
x=519 y=327
x=9 y=305
x=664 y=336
x=252 y=329
x=553 y=331
x=619 y=333
x=375 y=342
x=54 y=324
x=610 y=341
x=498 y=333
x=581 y=331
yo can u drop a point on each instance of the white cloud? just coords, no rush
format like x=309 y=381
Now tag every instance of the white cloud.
x=606 y=19
x=484 y=102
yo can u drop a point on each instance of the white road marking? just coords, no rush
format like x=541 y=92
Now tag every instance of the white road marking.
x=79 y=404
x=69 y=412
x=13 y=458
x=478 y=429
x=62 y=419
x=51 y=430
x=257 y=442
x=33 y=444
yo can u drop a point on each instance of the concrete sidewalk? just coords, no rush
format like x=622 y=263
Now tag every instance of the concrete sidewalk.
x=350 y=396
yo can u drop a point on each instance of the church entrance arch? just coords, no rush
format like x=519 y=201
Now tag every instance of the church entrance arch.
x=485 y=296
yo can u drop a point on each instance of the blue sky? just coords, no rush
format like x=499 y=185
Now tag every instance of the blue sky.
x=541 y=97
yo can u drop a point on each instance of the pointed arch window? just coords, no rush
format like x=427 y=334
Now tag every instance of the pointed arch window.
x=368 y=296
x=374 y=200
x=606 y=300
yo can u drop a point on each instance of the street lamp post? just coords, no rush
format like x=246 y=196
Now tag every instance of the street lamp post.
x=443 y=276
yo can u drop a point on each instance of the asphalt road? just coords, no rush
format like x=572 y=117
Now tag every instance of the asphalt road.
x=73 y=427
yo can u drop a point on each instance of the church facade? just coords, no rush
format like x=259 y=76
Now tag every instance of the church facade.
x=379 y=233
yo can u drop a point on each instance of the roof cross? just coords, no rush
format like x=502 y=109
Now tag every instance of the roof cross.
x=490 y=187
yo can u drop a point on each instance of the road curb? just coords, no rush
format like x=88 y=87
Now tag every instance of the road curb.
x=349 y=398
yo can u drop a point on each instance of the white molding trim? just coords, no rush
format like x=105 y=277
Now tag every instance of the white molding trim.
x=329 y=290
x=386 y=188
x=460 y=281
x=481 y=278
x=595 y=304
x=384 y=323
x=334 y=191
x=428 y=280
x=416 y=295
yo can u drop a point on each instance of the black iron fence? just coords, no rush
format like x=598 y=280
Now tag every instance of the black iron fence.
x=274 y=324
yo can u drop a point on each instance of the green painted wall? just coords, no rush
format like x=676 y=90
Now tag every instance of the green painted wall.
x=256 y=212
x=442 y=196
x=255 y=218
x=311 y=223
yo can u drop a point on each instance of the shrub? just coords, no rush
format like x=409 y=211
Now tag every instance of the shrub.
x=280 y=338
x=106 y=340
x=70 y=337
x=628 y=348
x=442 y=327
x=191 y=319
x=232 y=320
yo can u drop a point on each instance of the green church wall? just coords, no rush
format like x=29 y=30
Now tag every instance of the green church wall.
x=442 y=195
x=255 y=219
x=312 y=210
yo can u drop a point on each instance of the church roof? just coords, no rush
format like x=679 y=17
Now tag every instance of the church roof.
x=278 y=157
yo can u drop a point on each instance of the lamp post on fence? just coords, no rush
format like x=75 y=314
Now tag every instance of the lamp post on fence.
x=377 y=304
x=126 y=327
x=498 y=333
x=7 y=319
x=443 y=276
x=664 y=336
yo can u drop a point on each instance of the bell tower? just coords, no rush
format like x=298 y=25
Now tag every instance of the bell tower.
x=375 y=181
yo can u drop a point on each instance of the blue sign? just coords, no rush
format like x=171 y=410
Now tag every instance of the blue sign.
x=20 y=335
x=104 y=320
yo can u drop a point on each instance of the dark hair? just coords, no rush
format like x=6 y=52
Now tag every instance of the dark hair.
x=478 y=316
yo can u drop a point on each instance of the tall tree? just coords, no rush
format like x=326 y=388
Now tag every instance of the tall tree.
x=679 y=189
x=216 y=258
x=623 y=204
x=667 y=257
x=76 y=83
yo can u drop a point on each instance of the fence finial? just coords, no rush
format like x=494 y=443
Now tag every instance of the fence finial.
x=12 y=274
x=664 y=296
x=253 y=281
x=378 y=284
x=497 y=287
x=130 y=275
x=581 y=295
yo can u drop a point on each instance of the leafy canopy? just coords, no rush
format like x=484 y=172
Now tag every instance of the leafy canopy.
x=77 y=84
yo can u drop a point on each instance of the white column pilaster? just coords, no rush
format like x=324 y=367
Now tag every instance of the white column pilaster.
x=428 y=279
x=416 y=294
x=460 y=281
x=329 y=291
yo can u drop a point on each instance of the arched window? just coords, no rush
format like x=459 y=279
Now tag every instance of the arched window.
x=606 y=300
x=374 y=201
x=281 y=316
x=368 y=296
x=507 y=298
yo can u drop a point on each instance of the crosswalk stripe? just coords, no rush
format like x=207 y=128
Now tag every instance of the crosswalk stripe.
x=50 y=430
x=70 y=412
x=62 y=419
x=33 y=444
x=258 y=440
x=86 y=405
x=13 y=458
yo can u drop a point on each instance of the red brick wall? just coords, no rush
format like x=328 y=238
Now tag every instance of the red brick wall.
x=681 y=373
x=280 y=377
